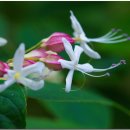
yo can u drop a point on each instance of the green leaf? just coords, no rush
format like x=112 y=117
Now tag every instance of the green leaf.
x=33 y=122
x=83 y=114
x=56 y=93
x=12 y=108
x=83 y=108
x=87 y=109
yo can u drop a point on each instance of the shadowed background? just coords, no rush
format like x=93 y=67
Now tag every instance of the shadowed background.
x=29 y=22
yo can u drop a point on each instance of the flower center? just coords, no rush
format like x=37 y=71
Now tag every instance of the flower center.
x=17 y=75
x=77 y=39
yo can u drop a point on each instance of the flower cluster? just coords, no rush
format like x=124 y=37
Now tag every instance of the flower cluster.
x=28 y=67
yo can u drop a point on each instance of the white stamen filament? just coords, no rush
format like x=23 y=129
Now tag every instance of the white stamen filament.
x=114 y=33
x=112 y=67
x=96 y=76
x=108 y=38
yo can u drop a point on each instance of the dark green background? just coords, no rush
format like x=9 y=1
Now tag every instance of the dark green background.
x=29 y=22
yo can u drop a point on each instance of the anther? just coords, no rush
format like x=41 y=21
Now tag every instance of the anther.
x=113 y=65
x=113 y=30
x=123 y=62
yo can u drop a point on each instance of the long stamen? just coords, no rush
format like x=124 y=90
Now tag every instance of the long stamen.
x=109 y=37
x=115 y=32
x=120 y=63
x=117 y=37
x=102 y=70
x=109 y=33
x=96 y=76
x=111 y=67
x=117 y=41
x=107 y=40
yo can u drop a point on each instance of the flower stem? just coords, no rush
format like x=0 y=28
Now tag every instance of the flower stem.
x=28 y=50
x=34 y=47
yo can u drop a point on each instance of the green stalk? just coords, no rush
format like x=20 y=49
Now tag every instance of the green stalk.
x=34 y=47
x=28 y=50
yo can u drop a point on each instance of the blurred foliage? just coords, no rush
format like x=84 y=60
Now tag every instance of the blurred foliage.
x=30 y=22
x=86 y=109
x=13 y=108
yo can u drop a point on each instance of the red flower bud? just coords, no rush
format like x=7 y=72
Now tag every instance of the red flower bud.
x=28 y=62
x=54 y=42
x=49 y=58
x=38 y=53
x=3 y=68
x=51 y=61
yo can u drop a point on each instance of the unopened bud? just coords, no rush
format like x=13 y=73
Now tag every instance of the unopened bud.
x=54 y=42
x=3 y=68
x=38 y=53
x=51 y=61
x=28 y=62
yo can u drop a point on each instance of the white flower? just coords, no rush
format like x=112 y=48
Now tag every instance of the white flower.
x=2 y=41
x=73 y=64
x=21 y=74
x=80 y=36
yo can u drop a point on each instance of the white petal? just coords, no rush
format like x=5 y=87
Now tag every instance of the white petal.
x=76 y=25
x=2 y=41
x=77 y=51
x=69 y=81
x=6 y=84
x=84 y=38
x=88 y=51
x=19 y=58
x=87 y=68
x=10 y=73
x=34 y=85
x=35 y=68
x=68 y=48
x=66 y=64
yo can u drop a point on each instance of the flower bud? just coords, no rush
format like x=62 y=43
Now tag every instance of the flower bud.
x=54 y=42
x=3 y=68
x=28 y=62
x=38 y=53
x=51 y=61
x=49 y=58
